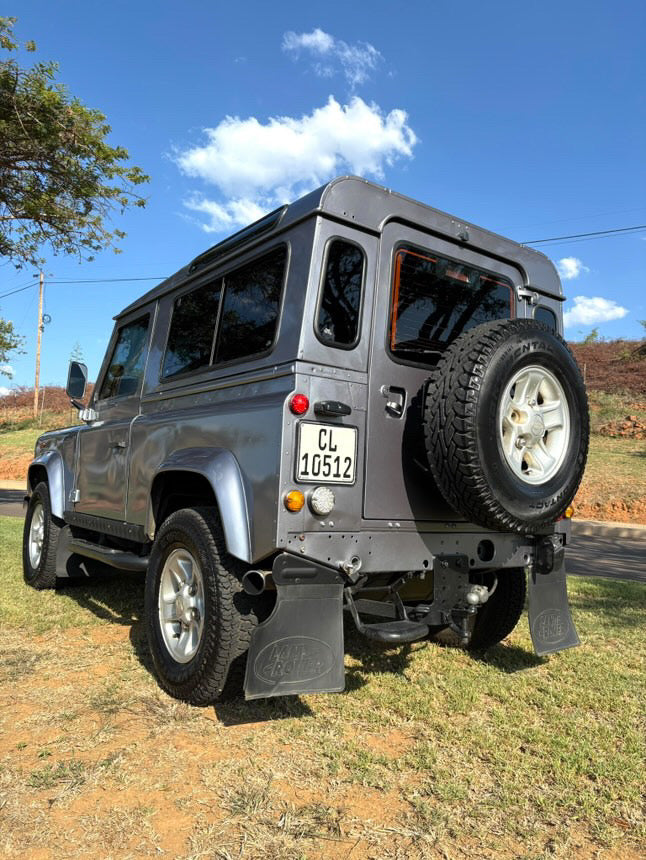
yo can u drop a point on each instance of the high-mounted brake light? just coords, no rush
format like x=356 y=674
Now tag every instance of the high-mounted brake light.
x=299 y=404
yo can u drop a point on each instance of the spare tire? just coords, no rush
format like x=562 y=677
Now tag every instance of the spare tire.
x=507 y=425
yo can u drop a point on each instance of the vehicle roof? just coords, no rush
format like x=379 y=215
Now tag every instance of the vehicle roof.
x=369 y=206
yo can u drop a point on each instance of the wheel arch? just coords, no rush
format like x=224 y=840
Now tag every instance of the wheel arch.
x=204 y=476
x=48 y=467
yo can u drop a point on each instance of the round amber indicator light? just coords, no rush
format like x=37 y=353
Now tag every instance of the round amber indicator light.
x=294 y=501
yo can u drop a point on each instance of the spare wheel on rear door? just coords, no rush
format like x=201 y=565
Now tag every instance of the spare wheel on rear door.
x=506 y=425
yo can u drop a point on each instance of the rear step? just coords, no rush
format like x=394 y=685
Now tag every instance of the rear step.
x=119 y=558
x=390 y=632
x=394 y=631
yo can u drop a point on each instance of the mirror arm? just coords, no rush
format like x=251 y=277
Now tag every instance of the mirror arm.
x=76 y=403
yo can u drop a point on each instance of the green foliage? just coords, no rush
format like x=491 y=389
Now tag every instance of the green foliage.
x=77 y=352
x=60 y=181
x=592 y=337
x=9 y=342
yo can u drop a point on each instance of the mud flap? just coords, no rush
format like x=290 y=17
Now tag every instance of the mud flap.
x=550 y=622
x=299 y=648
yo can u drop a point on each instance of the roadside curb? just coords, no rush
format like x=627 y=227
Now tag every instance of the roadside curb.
x=597 y=528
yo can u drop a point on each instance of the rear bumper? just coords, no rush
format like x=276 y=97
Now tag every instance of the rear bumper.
x=400 y=549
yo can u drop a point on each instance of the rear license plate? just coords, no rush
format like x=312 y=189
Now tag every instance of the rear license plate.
x=326 y=453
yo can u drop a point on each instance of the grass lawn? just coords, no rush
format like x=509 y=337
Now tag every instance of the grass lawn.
x=430 y=753
x=614 y=484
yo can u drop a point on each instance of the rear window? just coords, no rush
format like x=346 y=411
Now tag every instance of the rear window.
x=250 y=307
x=436 y=299
x=338 y=317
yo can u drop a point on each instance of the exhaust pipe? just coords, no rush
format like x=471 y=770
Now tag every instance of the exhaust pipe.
x=254 y=582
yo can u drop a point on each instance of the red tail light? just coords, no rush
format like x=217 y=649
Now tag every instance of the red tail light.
x=299 y=404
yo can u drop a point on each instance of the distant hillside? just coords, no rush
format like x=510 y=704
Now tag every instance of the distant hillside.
x=613 y=366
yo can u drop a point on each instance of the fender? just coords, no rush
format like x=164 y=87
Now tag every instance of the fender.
x=232 y=493
x=53 y=465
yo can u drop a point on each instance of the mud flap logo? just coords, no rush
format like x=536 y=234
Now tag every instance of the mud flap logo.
x=295 y=659
x=551 y=626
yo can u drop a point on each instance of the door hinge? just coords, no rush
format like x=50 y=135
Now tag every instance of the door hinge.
x=75 y=496
x=527 y=295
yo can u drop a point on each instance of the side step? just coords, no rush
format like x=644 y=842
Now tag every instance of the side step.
x=119 y=558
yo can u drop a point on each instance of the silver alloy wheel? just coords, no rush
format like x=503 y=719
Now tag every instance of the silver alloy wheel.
x=534 y=424
x=36 y=535
x=181 y=605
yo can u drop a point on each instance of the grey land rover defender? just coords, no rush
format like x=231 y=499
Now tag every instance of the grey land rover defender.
x=359 y=404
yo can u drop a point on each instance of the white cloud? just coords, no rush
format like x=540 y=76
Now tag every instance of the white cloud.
x=570 y=268
x=589 y=310
x=356 y=61
x=6 y=370
x=258 y=166
x=4 y=391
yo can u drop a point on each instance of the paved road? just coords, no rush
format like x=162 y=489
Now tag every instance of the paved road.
x=616 y=558
x=11 y=503
x=588 y=555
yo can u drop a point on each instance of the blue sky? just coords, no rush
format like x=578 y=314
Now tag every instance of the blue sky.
x=527 y=119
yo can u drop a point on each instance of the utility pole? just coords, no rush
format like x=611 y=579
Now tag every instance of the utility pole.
x=40 y=336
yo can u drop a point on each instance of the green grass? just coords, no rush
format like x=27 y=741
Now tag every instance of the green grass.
x=616 y=470
x=430 y=752
x=110 y=598
x=606 y=407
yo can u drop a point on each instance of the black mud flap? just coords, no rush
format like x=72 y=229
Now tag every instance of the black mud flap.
x=299 y=648
x=550 y=622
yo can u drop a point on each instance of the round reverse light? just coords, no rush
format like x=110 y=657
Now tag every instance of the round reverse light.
x=294 y=501
x=299 y=404
x=322 y=501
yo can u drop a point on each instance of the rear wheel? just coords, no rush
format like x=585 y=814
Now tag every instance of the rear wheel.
x=198 y=619
x=40 y=539
x=501 y=613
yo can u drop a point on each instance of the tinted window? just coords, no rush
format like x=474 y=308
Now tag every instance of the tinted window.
x=126 y=367
x=190 y=339
x=338 y=318
x=545 y=315
x=250 y=308
x=436 y=299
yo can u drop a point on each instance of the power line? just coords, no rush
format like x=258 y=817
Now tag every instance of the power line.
x=596 y=233
x=102 y=280
x=19 y=290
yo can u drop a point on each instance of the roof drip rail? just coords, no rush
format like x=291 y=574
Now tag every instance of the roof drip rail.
x=263 y=225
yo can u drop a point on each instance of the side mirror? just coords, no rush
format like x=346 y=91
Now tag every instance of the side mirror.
x=76 y=380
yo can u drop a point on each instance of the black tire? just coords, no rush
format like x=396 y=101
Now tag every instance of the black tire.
x=461 y=418
x=500 y=614
x=43 y=573
x=229 y=614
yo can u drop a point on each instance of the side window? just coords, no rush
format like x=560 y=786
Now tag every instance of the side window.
x=190 y=339
x=338 y=317
x=126 y=366
x=250 y=307
x=545 y=315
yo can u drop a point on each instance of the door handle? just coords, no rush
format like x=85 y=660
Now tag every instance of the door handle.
x=395 y=400
x=118 y=446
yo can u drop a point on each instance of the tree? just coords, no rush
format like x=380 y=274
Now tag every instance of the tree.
x=9 y=342
x=60 y=181
x=592 y=336
x=77 y=352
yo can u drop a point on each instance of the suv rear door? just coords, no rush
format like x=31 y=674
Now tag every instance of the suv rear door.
x=440 y=289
